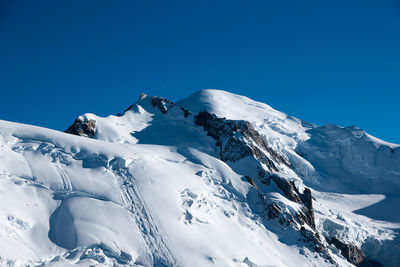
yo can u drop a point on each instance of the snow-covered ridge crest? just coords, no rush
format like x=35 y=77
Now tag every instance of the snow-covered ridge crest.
x=283 y=135
x=97 y=202
x=216 y=179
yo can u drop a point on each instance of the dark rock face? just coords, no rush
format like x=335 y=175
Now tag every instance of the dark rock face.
x=83 y=128
x=238 y=139
x=306 y=216
x=272 y=211
x=251 y=181
x=186 y=112
x=351 y=252
x=314 y=240
x=287 y=187
x=162 y=104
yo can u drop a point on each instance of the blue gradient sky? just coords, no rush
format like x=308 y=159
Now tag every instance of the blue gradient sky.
x=322 y=61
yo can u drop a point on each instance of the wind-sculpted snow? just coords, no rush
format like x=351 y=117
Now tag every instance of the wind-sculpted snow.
x=259 y=143
x=214 y=180
x=348 y=160
x=235 y=142
x=81 y=201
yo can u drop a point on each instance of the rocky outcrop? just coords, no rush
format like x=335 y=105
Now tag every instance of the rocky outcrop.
x=162 y=104
x=238 y=139
x=263 y=166
x=307 y=214
x=308 y=235
x=83 y=127
x=186 y=112
x=251 y=181
x=273 y=210
x=351 y=252
x=305 y=198
x=288 y=188
x=315 y=243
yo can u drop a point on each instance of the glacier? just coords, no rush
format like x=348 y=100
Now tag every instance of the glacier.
x=215 y=179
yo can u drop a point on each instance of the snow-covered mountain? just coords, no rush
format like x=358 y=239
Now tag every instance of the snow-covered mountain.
x=215 y=179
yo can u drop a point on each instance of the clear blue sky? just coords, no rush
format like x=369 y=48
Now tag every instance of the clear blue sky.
x=322 y=61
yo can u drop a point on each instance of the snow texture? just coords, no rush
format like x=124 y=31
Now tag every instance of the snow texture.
x=150 y=187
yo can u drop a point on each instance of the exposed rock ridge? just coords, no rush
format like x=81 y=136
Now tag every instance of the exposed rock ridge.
x=239 y=139
x=353 y=253
x=236 y=140
x=83 y=127
x=308 y=233
x=162 y=104
x=306 y=216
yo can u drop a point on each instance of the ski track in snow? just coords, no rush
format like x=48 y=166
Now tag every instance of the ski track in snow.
x=132 y=200
x=147 y=221
x=78 y=179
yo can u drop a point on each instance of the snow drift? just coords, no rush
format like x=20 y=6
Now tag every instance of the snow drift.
x=216 y=179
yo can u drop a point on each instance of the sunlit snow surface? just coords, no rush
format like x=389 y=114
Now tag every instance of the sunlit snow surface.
x=151 y=191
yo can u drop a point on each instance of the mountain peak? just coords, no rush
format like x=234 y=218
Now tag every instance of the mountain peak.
x=141 y=96
x=262 y=186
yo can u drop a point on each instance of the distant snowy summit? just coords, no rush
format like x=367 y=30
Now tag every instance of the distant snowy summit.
x=348 y=158
x=215 y=179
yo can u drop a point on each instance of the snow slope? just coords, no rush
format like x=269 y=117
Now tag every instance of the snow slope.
x=156 y=189
x=349 y=160
x=74 y=200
